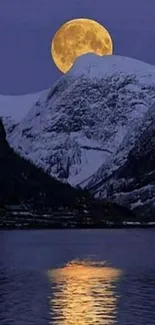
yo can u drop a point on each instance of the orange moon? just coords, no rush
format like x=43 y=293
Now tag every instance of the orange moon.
x=77 y=37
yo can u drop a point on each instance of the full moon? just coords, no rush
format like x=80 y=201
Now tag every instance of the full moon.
x=78 y=37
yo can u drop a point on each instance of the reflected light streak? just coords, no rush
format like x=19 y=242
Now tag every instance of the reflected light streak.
x=84 y=294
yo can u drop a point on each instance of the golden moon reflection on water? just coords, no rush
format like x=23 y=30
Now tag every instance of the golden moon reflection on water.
x=78 y=37
x=84 y=295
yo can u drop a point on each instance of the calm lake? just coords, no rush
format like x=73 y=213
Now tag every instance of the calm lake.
x=77 y=277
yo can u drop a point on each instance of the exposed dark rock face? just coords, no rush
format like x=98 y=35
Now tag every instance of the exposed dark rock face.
x=133 y=184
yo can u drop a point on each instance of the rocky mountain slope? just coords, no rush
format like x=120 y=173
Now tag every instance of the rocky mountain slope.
x=133 y=183
x=83 y=129
x=22 y=183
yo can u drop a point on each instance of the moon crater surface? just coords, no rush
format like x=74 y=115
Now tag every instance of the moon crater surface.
x=78 y=37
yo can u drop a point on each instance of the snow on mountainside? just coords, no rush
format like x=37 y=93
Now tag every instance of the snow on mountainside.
x=83 y=128
x=14 y=108
x=93 y=66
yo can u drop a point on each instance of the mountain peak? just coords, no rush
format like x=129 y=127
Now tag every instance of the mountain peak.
x=92 y=65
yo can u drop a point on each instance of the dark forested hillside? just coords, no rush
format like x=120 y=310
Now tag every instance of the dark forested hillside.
x=22 y=183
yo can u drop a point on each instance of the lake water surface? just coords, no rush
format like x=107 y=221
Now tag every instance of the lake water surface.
x=77 y=277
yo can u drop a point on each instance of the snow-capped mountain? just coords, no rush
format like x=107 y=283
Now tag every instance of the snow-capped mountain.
x=83 y=129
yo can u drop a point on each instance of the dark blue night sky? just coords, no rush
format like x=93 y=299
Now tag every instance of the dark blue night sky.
x=27 y=27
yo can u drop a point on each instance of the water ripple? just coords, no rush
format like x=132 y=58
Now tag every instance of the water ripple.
x=85 y=294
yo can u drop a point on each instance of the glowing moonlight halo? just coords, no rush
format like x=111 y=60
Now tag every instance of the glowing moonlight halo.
x=77 y=37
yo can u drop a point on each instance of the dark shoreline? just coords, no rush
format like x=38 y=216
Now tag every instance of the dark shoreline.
x=79 y=228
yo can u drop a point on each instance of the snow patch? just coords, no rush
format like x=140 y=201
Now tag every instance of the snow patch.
x=18 y=106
